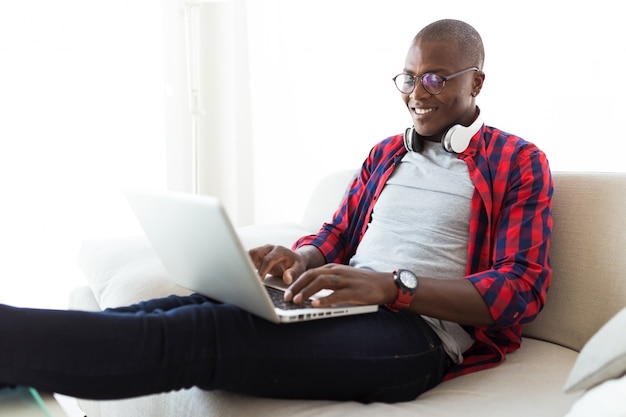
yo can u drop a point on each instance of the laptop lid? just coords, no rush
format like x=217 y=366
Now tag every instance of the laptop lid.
x=200 y=250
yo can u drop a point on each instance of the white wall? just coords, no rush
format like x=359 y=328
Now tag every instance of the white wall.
x=81 y=115
x=322 y=93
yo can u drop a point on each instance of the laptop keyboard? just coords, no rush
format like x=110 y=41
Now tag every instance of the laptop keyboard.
x=278 y=299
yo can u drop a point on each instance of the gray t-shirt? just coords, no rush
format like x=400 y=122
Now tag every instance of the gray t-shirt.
x=421 y=223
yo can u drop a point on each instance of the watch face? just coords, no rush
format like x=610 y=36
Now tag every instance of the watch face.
x=408 y=279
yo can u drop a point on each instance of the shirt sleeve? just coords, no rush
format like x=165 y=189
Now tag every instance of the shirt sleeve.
x=515 y=286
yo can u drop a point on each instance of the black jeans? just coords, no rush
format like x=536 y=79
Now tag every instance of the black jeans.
x=180 y=342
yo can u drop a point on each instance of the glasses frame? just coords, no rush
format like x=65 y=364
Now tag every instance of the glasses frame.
x=421 y=78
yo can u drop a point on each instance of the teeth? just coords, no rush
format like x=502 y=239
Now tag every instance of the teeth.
x=422 y=111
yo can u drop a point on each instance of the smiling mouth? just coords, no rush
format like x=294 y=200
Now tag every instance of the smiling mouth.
x=420 y=112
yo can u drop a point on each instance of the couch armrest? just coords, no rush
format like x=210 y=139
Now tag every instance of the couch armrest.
x=126 y=270
x=122 y=271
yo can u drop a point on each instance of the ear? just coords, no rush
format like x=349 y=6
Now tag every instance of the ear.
x=477 y=82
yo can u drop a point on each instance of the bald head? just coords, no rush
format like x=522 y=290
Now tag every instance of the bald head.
x=468 y=40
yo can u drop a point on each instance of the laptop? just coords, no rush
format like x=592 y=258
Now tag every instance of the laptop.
x=200 y=250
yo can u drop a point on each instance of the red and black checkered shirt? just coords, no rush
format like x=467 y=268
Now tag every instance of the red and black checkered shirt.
x=510 y=227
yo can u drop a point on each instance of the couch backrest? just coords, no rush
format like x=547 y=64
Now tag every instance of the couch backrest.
x=326 y=197
x=588 y=257
x=588 y=251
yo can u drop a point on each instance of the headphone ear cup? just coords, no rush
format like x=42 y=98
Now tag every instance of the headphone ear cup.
x=412 y=140
x=458 y=137
x=453 y=133
x=408 y=138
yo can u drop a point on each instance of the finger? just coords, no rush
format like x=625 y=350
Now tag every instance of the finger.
x=260 y=257
x=328 y=301
x=299 y=283
x=314 y=283
x=293 y=272
x=270 y=265
x=276 y=262
x=290 y=275
x=257 y=254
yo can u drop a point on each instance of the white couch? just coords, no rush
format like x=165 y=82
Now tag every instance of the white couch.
x=588 y=288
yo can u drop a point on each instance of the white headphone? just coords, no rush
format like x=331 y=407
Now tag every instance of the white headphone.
x=456 y=139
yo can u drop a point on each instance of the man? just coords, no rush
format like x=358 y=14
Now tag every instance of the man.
x=447 y=227
x=505 y=212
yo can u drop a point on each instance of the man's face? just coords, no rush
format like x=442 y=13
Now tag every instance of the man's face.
x=434 y=114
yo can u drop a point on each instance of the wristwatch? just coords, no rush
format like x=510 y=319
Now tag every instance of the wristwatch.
x=407 y=284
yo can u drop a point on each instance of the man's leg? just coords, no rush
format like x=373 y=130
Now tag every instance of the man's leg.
x=384 y=356
x=104 y=355
x=374 y=357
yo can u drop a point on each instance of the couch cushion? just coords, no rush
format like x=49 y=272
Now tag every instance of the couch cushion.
x=123 y=271
x=501 y=391
x=605 y=400
x=83 y=298
x=602 y=358
x=587 y=253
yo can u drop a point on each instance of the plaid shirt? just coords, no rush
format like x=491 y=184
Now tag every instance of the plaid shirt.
x=509 y=238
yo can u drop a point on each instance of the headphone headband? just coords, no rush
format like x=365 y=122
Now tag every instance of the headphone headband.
x=456 y=139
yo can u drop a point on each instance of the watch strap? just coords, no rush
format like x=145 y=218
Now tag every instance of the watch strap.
x=404 y=298
x=403 y=301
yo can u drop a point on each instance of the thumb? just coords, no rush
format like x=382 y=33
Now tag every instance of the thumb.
x=291 y=274
x=288 y=276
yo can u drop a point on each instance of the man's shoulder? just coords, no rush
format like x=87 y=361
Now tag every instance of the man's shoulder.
x=497 y=138
x=503 y=151
x=390 y=145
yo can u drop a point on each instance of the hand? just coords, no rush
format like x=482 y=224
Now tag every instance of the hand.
x=278 y=261
x=350 y=285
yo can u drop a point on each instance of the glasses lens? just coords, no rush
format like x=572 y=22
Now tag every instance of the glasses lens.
x=405 y=83
x=433 y=83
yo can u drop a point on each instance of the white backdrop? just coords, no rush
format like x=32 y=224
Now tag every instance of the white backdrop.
x=322 y=93
x=82 y=106
x=81 y=114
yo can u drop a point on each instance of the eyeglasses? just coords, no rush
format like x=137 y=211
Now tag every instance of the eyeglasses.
x=432 y=83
